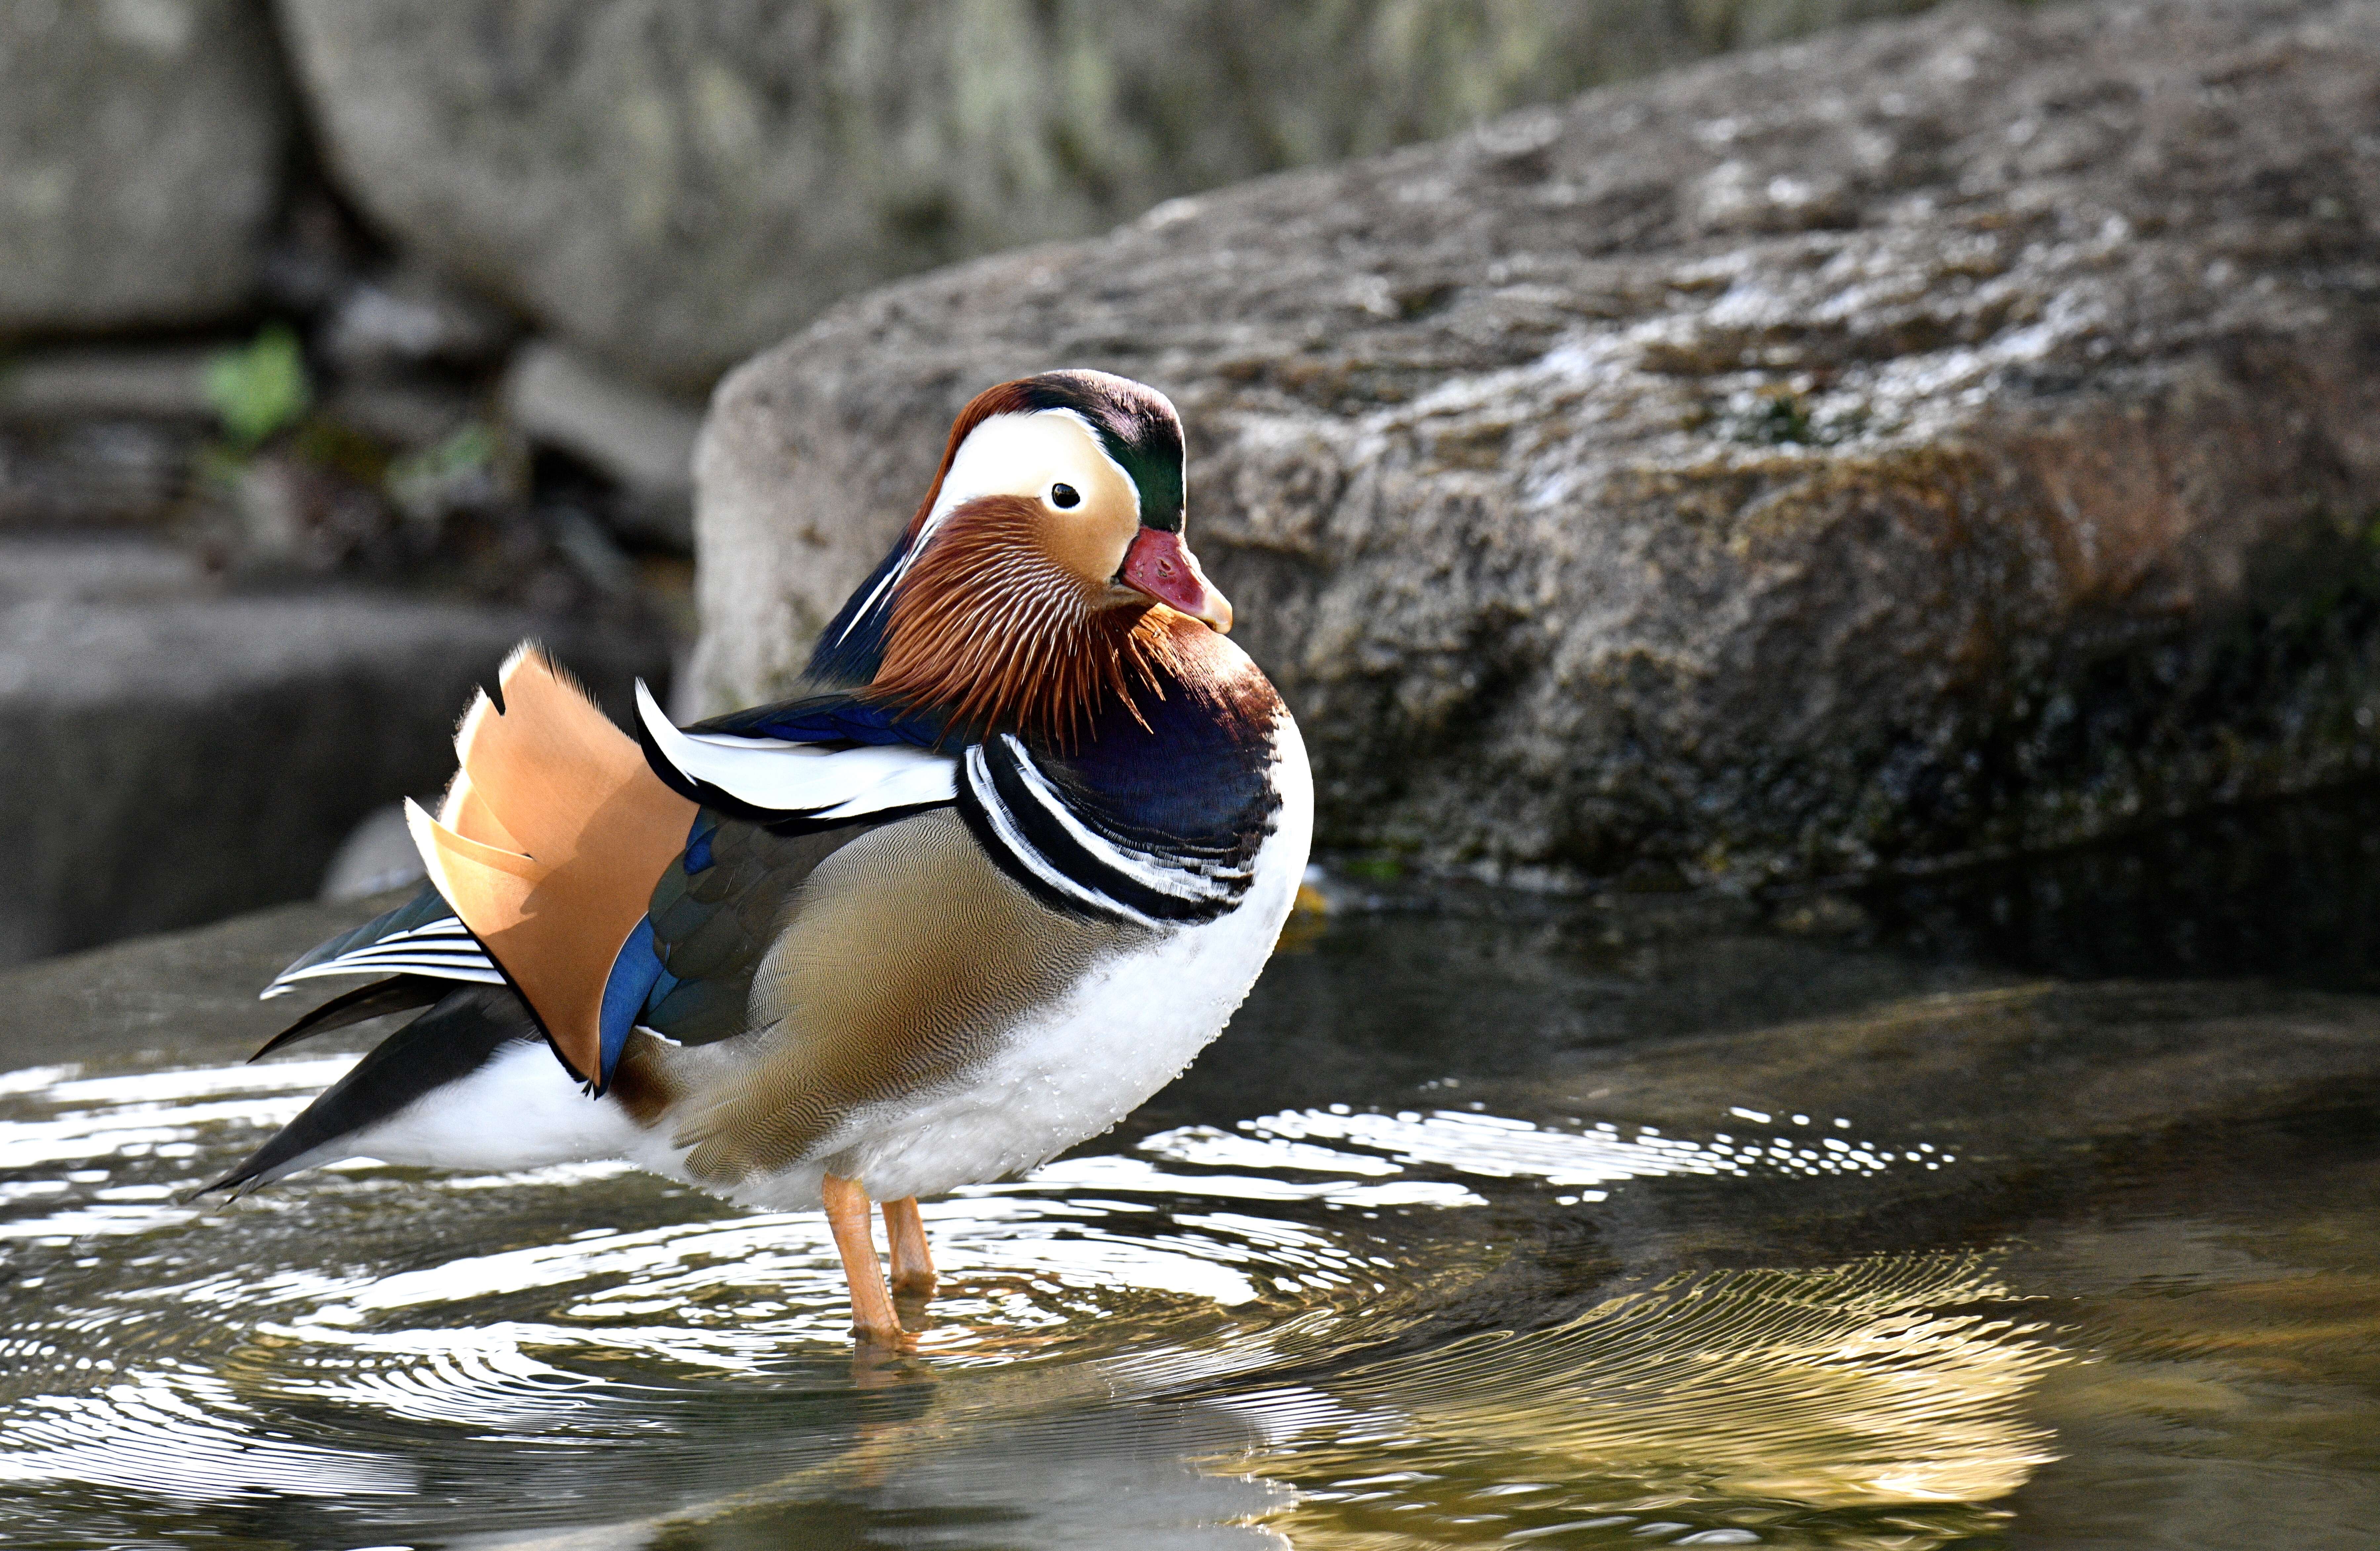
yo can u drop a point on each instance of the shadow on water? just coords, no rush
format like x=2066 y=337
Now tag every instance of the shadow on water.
x=2284 y=891
x=2028 y=1207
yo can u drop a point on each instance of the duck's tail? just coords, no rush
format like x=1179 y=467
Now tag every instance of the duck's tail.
x=467 y=1084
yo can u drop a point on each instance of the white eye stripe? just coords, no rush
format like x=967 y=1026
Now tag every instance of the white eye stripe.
x=1025 y=454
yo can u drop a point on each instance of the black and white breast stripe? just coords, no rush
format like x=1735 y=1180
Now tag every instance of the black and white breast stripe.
x=1073 y=860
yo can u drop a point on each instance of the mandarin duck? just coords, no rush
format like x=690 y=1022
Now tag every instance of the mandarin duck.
x=1008 y=861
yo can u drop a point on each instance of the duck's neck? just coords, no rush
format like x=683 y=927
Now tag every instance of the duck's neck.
x=1150 y=721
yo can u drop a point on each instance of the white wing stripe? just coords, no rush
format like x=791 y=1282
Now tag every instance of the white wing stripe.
x=437 y=969
x=801 y=778
x=443 y=948
x=459 y=953
x=923 y=782
x=446 y=928
x=479 y=971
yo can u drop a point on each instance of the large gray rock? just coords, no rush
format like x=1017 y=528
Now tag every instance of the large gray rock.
x=141 y=148
x=1957 y=435
x=677 y=186
x=168 y=759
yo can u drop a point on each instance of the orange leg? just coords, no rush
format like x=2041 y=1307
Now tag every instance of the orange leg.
x=855 y=1239
x=913 y=1262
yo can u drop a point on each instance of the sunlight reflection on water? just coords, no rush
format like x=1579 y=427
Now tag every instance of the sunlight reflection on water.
x=1232 y=1323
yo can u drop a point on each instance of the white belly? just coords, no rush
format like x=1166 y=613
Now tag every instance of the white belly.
x=519 y=1110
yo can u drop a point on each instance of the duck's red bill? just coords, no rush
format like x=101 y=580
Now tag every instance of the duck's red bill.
x=1161 y=565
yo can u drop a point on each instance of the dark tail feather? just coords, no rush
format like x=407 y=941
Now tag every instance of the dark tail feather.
x=395 y=994
x=425 y=906
x=452 y=1040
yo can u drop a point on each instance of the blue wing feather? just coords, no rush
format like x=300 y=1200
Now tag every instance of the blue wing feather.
x=629 y=992
x=829 y=719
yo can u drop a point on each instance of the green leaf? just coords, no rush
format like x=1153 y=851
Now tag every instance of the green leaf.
x=260 y=387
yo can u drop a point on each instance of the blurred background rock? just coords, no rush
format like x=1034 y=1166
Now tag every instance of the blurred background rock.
x=343 y=341
x=674 y=187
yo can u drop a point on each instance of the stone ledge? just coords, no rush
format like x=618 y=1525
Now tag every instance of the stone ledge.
x=170 y=762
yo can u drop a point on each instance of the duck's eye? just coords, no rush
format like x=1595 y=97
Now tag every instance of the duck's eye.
x=1066 y=497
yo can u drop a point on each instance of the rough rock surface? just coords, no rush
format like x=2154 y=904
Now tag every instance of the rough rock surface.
x=677 y=186
x=142 y=146
x=169 y=759
x=1962 y=434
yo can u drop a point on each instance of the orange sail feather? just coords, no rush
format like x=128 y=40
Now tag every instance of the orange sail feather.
x=549 y=843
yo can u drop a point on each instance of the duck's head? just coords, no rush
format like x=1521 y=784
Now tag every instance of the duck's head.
x=1046 y=563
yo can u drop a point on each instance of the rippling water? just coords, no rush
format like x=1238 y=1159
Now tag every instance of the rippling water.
x=1628 y=1295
